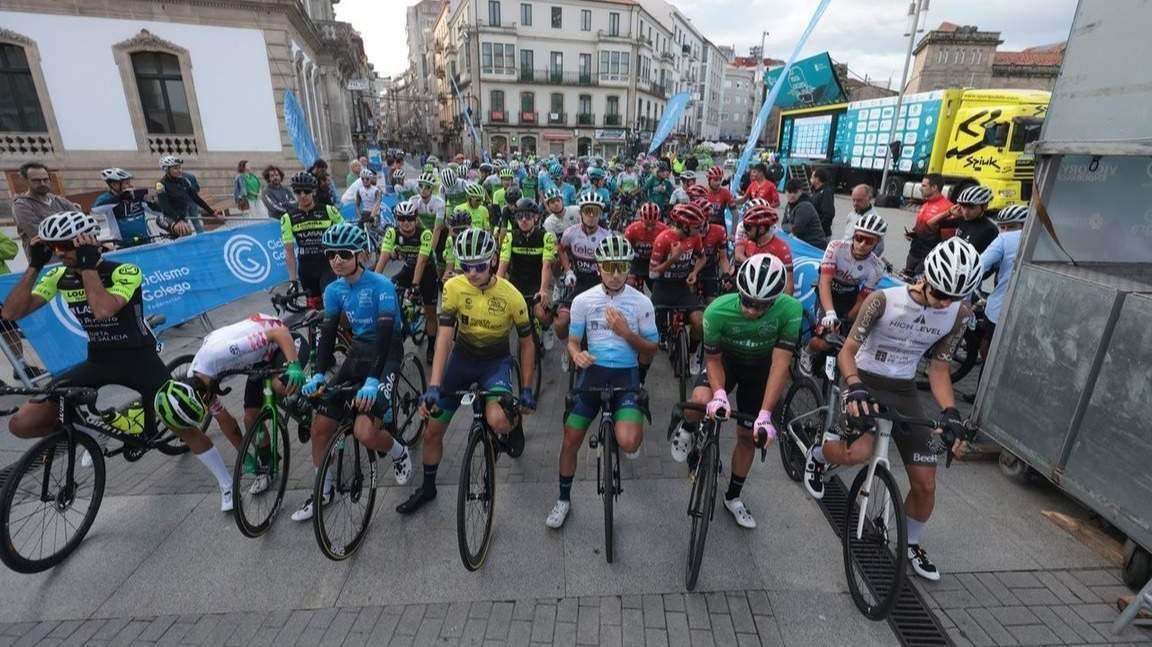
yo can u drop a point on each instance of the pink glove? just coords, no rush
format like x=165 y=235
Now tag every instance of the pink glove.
x=763 y=428
x=719 y=402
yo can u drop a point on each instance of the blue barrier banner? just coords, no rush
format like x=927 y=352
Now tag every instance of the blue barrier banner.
x=182 y=280
x=672 y=111
x=297 y=124
x=806 y=267
x=770 y=100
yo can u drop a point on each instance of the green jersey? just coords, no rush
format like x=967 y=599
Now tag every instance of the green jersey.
x=728 y=331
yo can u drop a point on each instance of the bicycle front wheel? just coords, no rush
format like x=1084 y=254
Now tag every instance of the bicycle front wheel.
x=874 y=555
x=410 y=385
x=476 y=499
x=350 y=469
x=260 y=476
x=802 y=397
x=49 y=502
x=609 y=471
x=681 y=368
x=700 y=506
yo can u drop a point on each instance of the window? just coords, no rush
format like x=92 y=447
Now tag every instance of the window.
x=585 y=68
x=497 y=103
x=494 y=13
x=557 y=104
x=585 y=104
x=614 y=65
x=497 y=58
x=525 y=14
x=557 y=68
x=557 y=18
x=613 y=23
x=162 y=96
x=19 y=105
x=527 y=102
x=486 y=57
x=585 y=20
x=613 y=105
x=526 y=63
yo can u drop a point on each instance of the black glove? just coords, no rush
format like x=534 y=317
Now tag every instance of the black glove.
x=859 y=394
x=953 y=426
x=87 y=257
x=39 y=255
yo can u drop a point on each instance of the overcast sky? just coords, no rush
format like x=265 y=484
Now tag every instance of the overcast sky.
x=866 y=34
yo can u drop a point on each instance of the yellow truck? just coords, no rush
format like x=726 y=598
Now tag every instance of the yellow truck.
x=968 y=136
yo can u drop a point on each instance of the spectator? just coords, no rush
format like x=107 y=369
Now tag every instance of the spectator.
x=861 y=206
x=325 y=191
x=179 y=199
x=824 y=199
x=691 y=163
x=354 y=172
x=800 y=216
x=246 y=190
x=759 y=186
x=277 y=199
x=923 y=235
x=37 y=203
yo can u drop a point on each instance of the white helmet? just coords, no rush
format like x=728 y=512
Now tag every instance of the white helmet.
x=953 y=267
x=1014 y=214
x=405 y=209
x=975 y=194
x=115 y=175
x=66 y=225
x=591 y=199
x=475 y=245
x=872 y=223
x=168 y=161
x=367 y=174
x=761 y=277
x=614 y=247
x=449 y=178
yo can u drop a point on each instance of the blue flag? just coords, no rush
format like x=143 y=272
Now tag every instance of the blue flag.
x=672 y=112
x=297 y=124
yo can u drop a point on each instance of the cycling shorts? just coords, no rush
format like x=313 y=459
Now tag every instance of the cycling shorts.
x=464 y=369
x=582 y=284
x=640 y=267
x=749 y=382
x=585 y=406
x=140 y=369
x=314 y=277
x=675 y=294
x=356 y=368
x=917 y=445
x=709 y=286
x=429 y=288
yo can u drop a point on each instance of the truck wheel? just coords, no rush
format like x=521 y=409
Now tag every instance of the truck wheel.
x=1014 y=468
x=1137 y=569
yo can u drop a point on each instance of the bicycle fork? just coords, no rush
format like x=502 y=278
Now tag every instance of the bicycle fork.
x=879 y=456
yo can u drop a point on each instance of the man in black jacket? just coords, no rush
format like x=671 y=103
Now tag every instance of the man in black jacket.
x=823 y=199
x=800 y=217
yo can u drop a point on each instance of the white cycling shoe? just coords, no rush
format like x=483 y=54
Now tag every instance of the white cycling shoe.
x=558 y=514
x=682 y=443
x=260 y=485
x=307 y=510
x=226 y=501
x=740 y=513
x=402 y=468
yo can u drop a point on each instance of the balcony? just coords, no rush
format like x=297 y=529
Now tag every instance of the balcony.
x=497 y=117
x=507 y=74
x=585 y=119
x=556 y=77
x=659 y=90
x=612 y=80
x=527 y=117
x=22 y=143
x=604 y=34
x=612 y=120
x=495 y=28
x=667 y=56
x=557 y=118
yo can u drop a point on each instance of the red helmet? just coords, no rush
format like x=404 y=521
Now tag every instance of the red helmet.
x=760 y=215
x=687 y=215
x=696 y=191
x=703 y=205
x=716 y=173
x=650 y=212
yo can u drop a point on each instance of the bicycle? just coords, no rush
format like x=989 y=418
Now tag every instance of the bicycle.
x=807 y=411
x=44 y=487
x=476 y=498
x=413 y=309
x=607 y=453
x=353 y=480
x=675 y=338
x=538 y=343
x=702 y=502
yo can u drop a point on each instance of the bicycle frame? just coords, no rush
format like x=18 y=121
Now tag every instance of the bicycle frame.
x=879 y=457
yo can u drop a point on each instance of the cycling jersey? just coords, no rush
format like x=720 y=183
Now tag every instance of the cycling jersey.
x=304 y=229
x=658 y=191
x=483 y=317
x=588 y=317
x=721 y=199
x=581 y=249
x=894 y=332
x=125 y=330
x=627 y=182
x=526 y=254
x=364 y=197
x=407 y=247
x=430 y=211
x=1000 y=256
x=372 y=297
x=406 y=190
x=529 y=185
x=239 y=345
x=851 y=276
x=728 y=331
x=481 y=217
x=713 y=242
x=690 y=247
x=641 y=238
x=776 y=247
x=127 y=215
x=569 y=193
x=765 y=189
x=455 y=196
x=558 y=224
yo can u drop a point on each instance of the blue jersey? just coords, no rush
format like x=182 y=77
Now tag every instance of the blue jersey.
x=373 y=296
x=609 y=349
x=569 y=193
x=1000 y=256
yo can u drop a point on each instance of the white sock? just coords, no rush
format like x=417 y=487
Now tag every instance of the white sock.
x=818 y=454
x=915 y=528
x=215 y=464
x=328 y=478
x=397 y=451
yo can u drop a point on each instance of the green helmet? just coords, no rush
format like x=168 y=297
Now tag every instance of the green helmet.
x=429 y=167
x=475 y=245
x=475 y=191
x=506 y=173
x=179 y=406
x=614 y=248
x=428 y=179
x=344 y=236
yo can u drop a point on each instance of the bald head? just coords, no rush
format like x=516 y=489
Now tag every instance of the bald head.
x=861 y=198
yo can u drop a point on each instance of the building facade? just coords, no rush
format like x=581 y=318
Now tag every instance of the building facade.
x=125 y=82
x=964 y=56
x=737 y=102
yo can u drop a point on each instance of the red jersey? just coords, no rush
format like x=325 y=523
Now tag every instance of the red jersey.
x=929 y=210
x=641 y=238
x=776 y=247
x=690 y=247
x=721 y=199
x=764 y=189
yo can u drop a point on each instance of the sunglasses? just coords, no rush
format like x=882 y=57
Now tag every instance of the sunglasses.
x=614 y=267
x=405 y=218
x=342 y=254
x=756 y=304
x=940 y=296
x=302 y=191
x=865 y=239
x=525 y=215
x=61 y=246
x=474 y=268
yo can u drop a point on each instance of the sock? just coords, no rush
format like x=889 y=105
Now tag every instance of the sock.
x=430 y=477
x=328 y=479
x=915 y=528
x=566 y=487
x=215 y=464
x=644 y=372
x=734 y=487
x=818 y=454
x=398 y=450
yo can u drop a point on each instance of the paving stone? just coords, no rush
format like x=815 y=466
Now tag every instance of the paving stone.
x=759 y=603
x=768 y=630
x=610 y=610
x=611 y=636
x=410 y=620
x=1076 y=586
x=722 y=632
x=589 y=601
x=65 y=629
x=633 y=628
x=1015 y=579
x=429 y=632
x=480 y=609
x=384 y=629
x=1014 y=616
x=499 y=620
x=543 y=623
x=717 y=602
x=632 y=601
x=655 y=637
x=1057 y=625
x=1033 y=635
x=566 y=610
x=439 y=610
x=366 y=619
x=991 y=626
x=588 y=625
x=654 y=611
x=1062 y=592
x=1002 y=593
x=40 y=631
x=474 y=631
x=565 y=634
x=976 y=588
x=971 y=629
x=525 y=610
x=702 y=638
x=673 y=602
x=1095 y=612
x=959 y=599
x=1035 y=597
x=697 y=611
x=519 y=632
x=748 y=640
x=678 y=635
x=740 y=614
x=454 y=620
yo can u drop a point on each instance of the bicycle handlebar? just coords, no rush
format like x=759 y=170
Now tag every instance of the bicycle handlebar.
x=251 y=371
x=73 y=395
x=727 y=415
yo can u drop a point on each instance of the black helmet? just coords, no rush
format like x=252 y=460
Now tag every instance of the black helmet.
x=512 y=195
x=527 y=204
x=304 y=180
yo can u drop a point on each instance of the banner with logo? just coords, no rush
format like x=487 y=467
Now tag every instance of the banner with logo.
x=181 y=280
x=672 y=111
x=298 y=131
x=810 y=82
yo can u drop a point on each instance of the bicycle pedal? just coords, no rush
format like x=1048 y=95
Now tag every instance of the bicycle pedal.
x=593 y=443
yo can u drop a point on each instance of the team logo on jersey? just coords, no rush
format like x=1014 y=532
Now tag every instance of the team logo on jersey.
x=67 y=319
x=247 y=259
x=496 y=305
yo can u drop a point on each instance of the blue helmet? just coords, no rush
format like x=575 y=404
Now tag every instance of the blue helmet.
x=555 y=169
x=344 y=236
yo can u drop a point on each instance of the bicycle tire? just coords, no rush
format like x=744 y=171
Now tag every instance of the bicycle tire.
x=802 y=397
x=608 y=468
x=251 y=523
x=874 y=558
x=42 y=457
x=476 y=488
x=344 y=487
x=410 y=384
x=682 y=360
x=963 y=361
x=701 y=504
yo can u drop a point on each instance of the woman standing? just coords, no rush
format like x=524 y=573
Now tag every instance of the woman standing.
x=246 y=190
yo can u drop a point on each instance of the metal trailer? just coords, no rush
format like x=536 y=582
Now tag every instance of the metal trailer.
x=1068 y=382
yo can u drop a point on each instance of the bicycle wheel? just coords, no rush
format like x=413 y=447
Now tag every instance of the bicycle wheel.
x=476 y=499
x=700 y=506
x=681 y=370
x=49 y=502
x=874 y=563
x=802 y=397
x=261 y=475
x=963 y=361
x=409 y=386
x=609 y=468
x=342 y=524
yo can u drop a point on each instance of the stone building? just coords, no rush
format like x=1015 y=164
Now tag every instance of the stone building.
x=964 y=56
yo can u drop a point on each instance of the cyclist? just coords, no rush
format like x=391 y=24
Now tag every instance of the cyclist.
x=452 y=188
x=719 y=195
x=367 y=301
x=849 y=272
x=506 y=183
x=458 y=223
x=478 y=309
x=578 y=261
x=125 y=208
x=403 y=188
x=481 y=215
x=597 y=183
x=641 y=234
x=620 y=325
x=749 y=339
x=681 y=195
x=366 y=196
x=301 y=230
x=106 y=298
x=179 y=199
x=677 y=258
x=559 y=217
x=714 y=239
x=658 y=188
x=757 y=235
x=412 y=243
x=969 y=217
x=895 y=328
x=526 y=257
x=430 y=211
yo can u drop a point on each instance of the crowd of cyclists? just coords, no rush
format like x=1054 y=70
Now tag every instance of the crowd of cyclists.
x=594 y=254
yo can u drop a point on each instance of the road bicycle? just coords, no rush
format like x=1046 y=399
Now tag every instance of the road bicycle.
x=413 y=309
x=675 y=337
x=705 y=475
x=538 y=343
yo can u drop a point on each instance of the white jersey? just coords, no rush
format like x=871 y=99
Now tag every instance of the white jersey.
x=239 y=345
x=894 y=332
x=589 y=319
x=430 y=210
x=850 y=274
x=364 y=197
x=559 y=224
x=581 y=249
